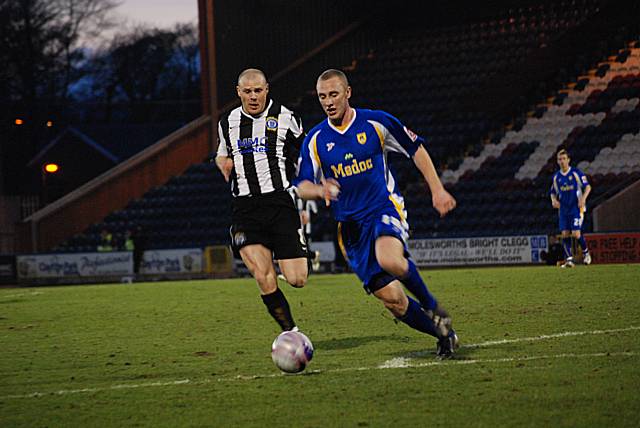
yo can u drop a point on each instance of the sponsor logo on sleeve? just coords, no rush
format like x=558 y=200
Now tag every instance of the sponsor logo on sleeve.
x=410 y=134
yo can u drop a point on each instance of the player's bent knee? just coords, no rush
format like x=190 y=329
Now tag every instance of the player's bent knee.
x=298 y=281
x=268 y=288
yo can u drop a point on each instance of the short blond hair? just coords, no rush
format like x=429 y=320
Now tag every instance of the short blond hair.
x=331 y=73
x=252 y=72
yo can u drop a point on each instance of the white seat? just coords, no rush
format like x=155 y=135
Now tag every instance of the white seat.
x=583 y=165
x=610 y=159
x=634 y=160
x=605 y=169
x=605 y=151
x=625 y=149
x=627 y=162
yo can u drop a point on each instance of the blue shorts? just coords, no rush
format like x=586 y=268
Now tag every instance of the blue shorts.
x=358 y=239
x=571 y=220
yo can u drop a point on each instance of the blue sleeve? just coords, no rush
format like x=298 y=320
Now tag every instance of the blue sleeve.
x=553 y=191
x=399 y=136
x=584 y=181
x=307 y=170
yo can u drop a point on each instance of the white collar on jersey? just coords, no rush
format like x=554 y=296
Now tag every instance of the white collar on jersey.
x=564 y=174
x=263 y=114
x=346 y=128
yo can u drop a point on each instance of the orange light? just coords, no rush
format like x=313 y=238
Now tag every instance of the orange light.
x=51 y=168
x=19 y=122
x=49 y=124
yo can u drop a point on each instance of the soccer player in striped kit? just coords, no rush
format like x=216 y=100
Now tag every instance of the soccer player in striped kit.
x=257 y=154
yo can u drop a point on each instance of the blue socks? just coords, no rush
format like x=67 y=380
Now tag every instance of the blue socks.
x=413 y=281
x=566 y=245
x=416 y=318
x=583 y=244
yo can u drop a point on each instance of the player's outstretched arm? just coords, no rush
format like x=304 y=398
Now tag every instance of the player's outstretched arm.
x=329 y=190
x=582 y=203
x=443 y=202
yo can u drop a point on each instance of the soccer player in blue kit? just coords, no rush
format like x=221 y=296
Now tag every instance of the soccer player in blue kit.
x=343 y=161
x=569 y=192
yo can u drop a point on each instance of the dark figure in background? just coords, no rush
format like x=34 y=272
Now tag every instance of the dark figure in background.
x=555 y=253
x=106 y=241
x=139 y=243
x=135 y=240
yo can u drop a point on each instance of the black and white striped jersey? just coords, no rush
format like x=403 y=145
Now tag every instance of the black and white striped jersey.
x=264 y=148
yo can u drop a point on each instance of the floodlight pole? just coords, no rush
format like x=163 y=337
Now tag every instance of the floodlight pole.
x=208 y=68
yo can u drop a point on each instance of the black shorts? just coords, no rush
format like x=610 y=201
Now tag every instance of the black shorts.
x=272 y=220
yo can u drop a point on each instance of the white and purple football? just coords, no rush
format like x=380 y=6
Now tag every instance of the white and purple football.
x=291 y=351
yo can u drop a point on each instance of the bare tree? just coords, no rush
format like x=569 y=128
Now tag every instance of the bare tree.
x=83 y=21
x=43 y=43
x=147 y=65
x=181 y=77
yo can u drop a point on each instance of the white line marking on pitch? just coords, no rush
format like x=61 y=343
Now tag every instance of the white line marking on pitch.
x=109 y=388
x=549 y=336
x=399 y=364
x=403 y=361
x=409 y=364
x=9 y=296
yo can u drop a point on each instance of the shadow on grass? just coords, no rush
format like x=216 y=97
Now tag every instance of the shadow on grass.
x=429 y=353
x=352 y=342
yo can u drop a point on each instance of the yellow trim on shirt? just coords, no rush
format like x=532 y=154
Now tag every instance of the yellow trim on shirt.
x=314 y=142
x=380 y=136
x=399 y=207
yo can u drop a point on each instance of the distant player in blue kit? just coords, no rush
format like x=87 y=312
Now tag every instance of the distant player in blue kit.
x=569 y=192
x=343 y=161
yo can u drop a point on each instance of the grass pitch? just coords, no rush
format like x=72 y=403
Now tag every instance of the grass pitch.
x=540 y=347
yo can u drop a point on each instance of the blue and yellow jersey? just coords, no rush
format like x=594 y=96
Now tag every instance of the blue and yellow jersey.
x=355 y=156
x=568 y=187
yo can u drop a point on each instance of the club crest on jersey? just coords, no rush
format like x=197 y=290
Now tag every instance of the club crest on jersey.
x=410 y=134
x=272 y=123
x=362 y=137
x=330 y=146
